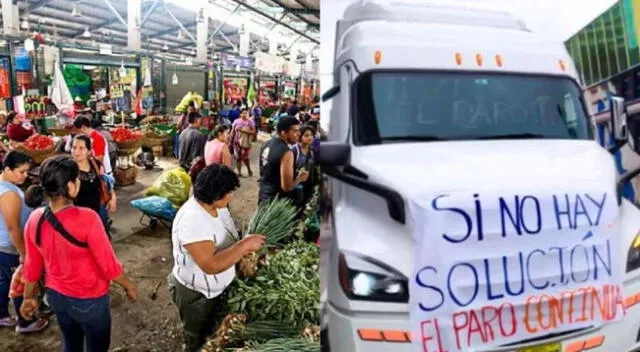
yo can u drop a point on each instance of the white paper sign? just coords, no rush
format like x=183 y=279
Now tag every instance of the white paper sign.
x=106 y=49
x=496 y=267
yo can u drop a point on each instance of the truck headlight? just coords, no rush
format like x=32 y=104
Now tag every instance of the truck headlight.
x=366 y=279
x=633 y=257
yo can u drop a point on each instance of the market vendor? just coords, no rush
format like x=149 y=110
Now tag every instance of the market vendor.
x=206 y=250
x=18 y=131
x=78 y=105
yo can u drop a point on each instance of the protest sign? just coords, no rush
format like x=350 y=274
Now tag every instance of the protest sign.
x=498 y=266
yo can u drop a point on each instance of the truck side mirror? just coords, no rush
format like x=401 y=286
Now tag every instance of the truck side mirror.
x=619 y=119
x=333 y=154
x=331 y=93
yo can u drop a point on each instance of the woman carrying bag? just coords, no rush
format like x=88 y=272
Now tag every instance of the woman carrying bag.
x=94 y=191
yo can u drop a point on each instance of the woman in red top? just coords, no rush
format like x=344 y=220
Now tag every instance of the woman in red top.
x=70 y=245
x=15 y=130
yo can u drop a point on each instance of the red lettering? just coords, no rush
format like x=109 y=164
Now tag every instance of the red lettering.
x=542 y=314
x=556 y=309
x=438 y=335
x=486 y=321
x=475 y=327
x=457 y=326
x=514 y=322
x=426 y=337
x=527 y=315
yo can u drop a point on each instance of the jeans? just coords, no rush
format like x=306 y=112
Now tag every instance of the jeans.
x=82 y=320
x=176 y=145
x=8 y=264
x=198 y=314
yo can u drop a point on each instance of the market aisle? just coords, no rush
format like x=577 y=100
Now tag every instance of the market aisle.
x=148 y=325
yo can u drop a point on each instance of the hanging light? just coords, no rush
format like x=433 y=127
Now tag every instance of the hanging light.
x=93 y=42
x=241 y=30
x=174 y=79
x=181 y=57
x=165 y=47
x=86 y=33
x=75 y=11
x=24 y=24
x=193 y=51
x=179 y=35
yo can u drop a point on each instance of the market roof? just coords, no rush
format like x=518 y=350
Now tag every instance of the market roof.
x=292 y=23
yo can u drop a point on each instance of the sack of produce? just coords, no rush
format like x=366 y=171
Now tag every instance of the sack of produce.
x=155 y=206
x=173 y=184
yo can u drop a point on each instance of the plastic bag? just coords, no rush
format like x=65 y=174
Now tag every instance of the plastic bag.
x=155 y=206
x=173 y=184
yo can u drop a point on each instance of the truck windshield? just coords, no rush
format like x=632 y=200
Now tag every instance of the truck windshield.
x=437 y=106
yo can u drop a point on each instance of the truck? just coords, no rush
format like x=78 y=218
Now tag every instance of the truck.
x=446 y=98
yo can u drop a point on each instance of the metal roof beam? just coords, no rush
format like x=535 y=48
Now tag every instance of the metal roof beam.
x=115 y=12
x=171 y=30
x=310 y=10
x=37 y=5
x=149 y=12
x=215 y=31
x=297 y=15
x=261 y=13
x=180 y=25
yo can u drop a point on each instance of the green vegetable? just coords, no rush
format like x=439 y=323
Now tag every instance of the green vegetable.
x=287 y=345
x=264 y=330
x=287 y=289
x=275 y=219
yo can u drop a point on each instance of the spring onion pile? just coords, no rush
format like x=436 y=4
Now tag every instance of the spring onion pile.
x=286 y=345
x=285 y=290
x=275 y=219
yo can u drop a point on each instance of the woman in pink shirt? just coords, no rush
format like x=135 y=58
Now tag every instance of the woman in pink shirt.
x=216 y=151
x=70 y=245
x=242 y=133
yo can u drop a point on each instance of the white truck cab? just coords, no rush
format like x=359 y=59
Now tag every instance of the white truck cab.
x=450 y=99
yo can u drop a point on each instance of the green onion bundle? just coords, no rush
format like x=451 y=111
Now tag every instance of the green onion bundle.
x=287 y=345
x=275 y=219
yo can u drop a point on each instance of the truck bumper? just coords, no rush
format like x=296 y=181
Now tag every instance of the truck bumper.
x=344 y=335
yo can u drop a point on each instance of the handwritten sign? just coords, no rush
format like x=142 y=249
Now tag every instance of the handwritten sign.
x=497 y=267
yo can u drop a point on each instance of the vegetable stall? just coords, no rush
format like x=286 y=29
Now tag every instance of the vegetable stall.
x=128 y=142
x=273 y=305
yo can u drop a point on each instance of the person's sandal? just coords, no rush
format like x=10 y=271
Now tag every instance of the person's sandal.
x=8 y=322
x=36 y=326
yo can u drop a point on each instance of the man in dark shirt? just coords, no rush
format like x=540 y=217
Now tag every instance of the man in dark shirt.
x=191 y=142
x=277 y=176
x=293 y=109
x=234 y=114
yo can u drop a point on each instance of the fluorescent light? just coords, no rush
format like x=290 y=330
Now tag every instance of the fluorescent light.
x=75 y=11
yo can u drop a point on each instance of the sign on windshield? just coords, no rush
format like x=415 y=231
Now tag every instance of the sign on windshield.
x=495 y=267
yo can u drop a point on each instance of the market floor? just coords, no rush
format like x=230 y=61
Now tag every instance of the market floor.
x=150 y=324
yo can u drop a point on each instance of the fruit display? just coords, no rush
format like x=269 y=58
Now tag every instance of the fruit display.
x=38 y=147
x=124 y=135
x=38 y=142
x=127 y=140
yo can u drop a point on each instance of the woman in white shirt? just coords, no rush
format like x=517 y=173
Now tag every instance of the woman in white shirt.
x=205 y=251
